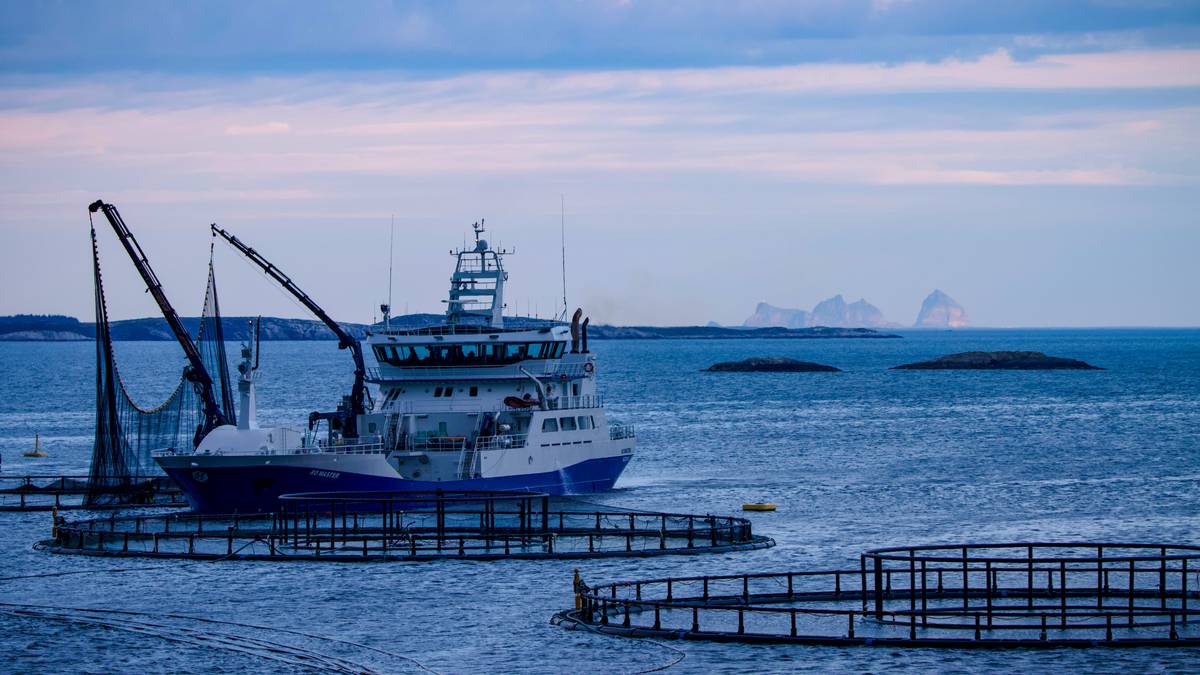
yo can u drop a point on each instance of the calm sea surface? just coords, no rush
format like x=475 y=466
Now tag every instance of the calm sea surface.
x=859 y=459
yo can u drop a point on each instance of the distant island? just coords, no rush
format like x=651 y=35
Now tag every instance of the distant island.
x=770 y=364
x=718 y=332
x=937 y=311
x=51 y=328
x=834 y=312
x=999 y=361
x=941 y=311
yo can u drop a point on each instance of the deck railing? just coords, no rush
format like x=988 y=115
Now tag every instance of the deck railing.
x=502 y=442
x=511 y=371
x=617 y=432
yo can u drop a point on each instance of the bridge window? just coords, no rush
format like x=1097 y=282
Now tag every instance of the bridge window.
x=489 y=354
x=568 y=423
x=549 y=424
x=585 y=422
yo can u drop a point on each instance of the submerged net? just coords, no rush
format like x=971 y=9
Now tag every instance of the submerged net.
x=126 y=433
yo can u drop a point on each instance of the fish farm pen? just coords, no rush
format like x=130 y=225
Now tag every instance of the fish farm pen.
x=44 y=493
x=385 y=526
x=1022 y=595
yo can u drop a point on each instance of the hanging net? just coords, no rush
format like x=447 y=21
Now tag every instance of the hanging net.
x=210 y=340
x=126 y=433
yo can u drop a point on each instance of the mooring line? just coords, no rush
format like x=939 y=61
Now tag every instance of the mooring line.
x=213 y=642
x=180 y=565
x=85 y=610
x=681 y=655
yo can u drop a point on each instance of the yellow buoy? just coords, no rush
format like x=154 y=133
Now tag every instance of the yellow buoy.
x=37 y=448
x=758 y=506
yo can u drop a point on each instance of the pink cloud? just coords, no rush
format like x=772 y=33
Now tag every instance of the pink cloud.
x=613 y=121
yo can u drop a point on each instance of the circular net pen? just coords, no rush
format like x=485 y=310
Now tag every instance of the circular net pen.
x=384 y=526
x=1024 y=595
x=62 y=493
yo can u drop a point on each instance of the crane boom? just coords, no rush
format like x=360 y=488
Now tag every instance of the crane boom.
x=196 y=372
x=357 y=402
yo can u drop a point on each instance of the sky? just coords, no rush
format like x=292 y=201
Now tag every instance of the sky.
x=1039 y=161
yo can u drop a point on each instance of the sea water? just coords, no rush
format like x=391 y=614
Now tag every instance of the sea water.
x=864 y=458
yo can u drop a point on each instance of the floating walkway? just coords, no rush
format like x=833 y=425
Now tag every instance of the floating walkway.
x=385 y=526
x=1021 y=595
x=44 y=493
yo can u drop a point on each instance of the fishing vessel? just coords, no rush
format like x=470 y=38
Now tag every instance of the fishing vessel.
x=468 y=404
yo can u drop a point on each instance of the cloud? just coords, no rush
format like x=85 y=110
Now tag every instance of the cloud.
x=277 y=36
x=994 y=71
x=258 y=129
x=954 y=122
x=573 y=137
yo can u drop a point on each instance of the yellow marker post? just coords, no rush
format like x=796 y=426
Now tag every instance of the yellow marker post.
x=37 y=447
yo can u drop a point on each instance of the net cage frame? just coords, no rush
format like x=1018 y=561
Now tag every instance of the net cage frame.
x=408 y=525
x=45 y=492
x=989 y=595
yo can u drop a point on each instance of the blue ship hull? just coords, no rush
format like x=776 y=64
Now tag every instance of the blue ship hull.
x=256 y=489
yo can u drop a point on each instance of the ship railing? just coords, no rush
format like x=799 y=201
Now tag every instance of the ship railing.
x=502 y=442
x=367 y=445
x=617 y=432
x=474 y=264
x=459 y=444
x=572 y=402
x=465 y=329
x=507 y=371
x=569 y=370
x=452 y=405
x=372 y=448
x=439 y=444
x=469 y=406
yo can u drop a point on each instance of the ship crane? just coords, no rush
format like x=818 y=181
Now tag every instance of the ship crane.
x=347 y=415
x=195 y=372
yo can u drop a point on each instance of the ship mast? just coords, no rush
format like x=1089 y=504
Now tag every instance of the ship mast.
x=477 y=287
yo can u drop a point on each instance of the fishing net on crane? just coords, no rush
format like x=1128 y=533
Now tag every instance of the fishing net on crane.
x=126 y=433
